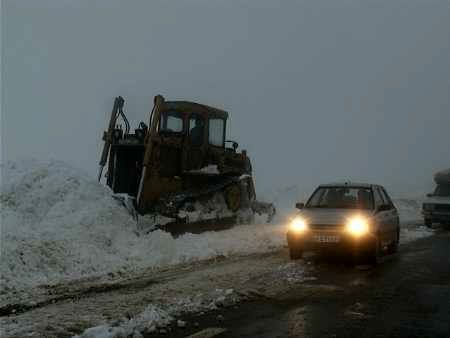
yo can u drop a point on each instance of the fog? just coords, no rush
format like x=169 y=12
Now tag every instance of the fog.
x=317 y=90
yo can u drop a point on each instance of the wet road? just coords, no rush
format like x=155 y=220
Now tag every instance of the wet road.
x=408 y=295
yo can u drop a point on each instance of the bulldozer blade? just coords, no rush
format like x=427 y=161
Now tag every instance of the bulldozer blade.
x=181 y=226
x=128 y=202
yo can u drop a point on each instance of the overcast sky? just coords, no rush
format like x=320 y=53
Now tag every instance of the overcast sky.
x=317 y=90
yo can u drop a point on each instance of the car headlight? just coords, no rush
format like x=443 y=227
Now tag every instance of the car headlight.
x=298 y=225
x=357 y=226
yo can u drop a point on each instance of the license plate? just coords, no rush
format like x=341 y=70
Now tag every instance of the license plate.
x=326 y=238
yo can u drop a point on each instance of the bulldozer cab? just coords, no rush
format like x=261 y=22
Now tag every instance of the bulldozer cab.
x=198 y=129
x=182 y=150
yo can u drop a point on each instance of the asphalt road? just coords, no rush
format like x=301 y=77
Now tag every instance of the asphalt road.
x=408 y=295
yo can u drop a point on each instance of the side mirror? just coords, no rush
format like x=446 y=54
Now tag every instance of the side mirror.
x=300 y=205
x=384 y=207
x=430 y=195
x=234 y=144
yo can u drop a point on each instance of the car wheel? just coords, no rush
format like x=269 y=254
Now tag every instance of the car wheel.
x=295 y=253
x=428 y=222
x=393 y=247
x=374 y=255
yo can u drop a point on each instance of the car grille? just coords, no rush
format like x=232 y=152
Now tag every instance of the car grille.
x=442 y=207
x=324 y=227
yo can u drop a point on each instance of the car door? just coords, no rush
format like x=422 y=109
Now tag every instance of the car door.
x=394 y=220
x=383 y=218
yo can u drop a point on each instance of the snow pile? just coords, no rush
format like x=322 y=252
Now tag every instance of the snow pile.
x=157 y=316
x=58 y=223
x=151 y=317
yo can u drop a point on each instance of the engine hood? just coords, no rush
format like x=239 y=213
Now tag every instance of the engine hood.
x=437 y=200
x=332 y=216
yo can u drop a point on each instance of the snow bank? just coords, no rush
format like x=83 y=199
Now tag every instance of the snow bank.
x=58 y=223
x=158 y=316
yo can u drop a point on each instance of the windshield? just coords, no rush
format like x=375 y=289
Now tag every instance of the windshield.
x=442 y=190
x=217 y=132
x=171 y=121
x=341 y=198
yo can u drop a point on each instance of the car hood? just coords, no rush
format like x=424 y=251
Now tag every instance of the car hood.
x=332 y=216
x=438 y=200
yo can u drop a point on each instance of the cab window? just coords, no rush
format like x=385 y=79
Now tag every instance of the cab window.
x=386 y=198
x=196 y=129
x=171 y=121
x=217 y=132
x=442 y=190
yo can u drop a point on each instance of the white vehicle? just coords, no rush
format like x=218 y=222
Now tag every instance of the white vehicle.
x=357 y=217
x=436 y=208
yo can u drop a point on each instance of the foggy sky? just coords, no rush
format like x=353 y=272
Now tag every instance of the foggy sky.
x=317 y=90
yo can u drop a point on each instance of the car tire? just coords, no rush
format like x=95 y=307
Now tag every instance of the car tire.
x=295 y=253
x=428 y=222
x=374 y=255
x=393 y=247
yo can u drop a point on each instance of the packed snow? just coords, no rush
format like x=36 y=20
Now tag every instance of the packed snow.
x=156 y=317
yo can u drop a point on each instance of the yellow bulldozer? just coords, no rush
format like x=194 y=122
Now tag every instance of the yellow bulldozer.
x=179 y=163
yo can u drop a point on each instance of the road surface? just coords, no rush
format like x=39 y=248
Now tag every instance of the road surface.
x=408 y=295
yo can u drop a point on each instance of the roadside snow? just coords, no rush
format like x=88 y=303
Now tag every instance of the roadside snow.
x=414 y=233
x=411 y=219
x=158 y=316
x=410 y=210
x=59 y=224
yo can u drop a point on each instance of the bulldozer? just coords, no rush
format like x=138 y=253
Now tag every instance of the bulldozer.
x=179 y=165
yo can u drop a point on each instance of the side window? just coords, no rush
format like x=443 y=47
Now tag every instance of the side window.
x=196 y=129
x=171 y=121
x=317 y=197
x=378 y=200
x=217 y=132
x=386 y=197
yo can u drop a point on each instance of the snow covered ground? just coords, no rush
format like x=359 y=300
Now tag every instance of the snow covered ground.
x=155 y=317
x=59 y=225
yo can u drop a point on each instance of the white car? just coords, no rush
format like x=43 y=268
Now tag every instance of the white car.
x=436 y=208
x=357 y=217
